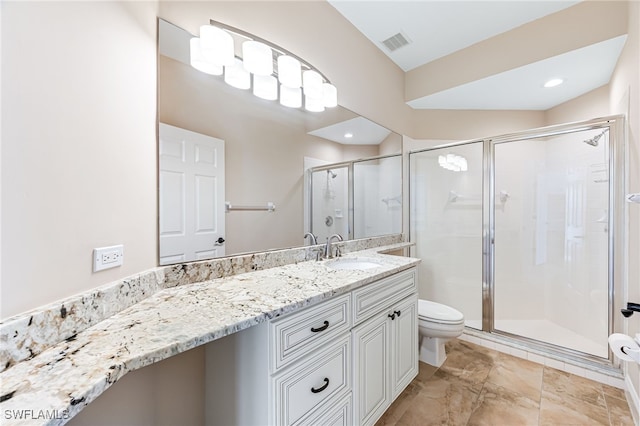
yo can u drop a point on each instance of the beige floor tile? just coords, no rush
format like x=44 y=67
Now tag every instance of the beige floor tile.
x=468 y=364
x=517 y=375
x=557 y=410
x=443 y=401
x=574 y=388
x=497 y=406
x=619 y=414
x=480 y=386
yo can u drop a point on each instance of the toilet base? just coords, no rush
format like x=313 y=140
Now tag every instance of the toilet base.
x=432 y=351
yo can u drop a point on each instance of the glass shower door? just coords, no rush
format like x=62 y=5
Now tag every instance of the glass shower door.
x=330 y=202
x=551 y=239
x=446 y=225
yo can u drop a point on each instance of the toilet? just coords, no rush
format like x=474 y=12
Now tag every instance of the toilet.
x=437 y=324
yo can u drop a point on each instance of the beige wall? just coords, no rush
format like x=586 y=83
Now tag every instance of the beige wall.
x=78 y=146
x=590 y=105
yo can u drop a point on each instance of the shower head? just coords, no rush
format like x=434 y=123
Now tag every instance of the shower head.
x=594 y=140
x=332 y=174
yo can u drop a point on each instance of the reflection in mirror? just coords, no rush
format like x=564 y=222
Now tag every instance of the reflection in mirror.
x=267 y=148
x=357 y=199
x=377 y=197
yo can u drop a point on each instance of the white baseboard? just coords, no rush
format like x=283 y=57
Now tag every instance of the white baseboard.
x=633 y=399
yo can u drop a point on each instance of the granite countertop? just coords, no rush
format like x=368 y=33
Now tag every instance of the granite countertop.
x=56 y=384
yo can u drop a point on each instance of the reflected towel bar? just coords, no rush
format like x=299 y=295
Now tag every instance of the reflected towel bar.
x=269 y=207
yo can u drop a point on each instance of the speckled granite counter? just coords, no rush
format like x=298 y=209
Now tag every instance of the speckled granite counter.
x=57 y=383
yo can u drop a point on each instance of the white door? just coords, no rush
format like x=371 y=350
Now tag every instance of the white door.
x=191 y=196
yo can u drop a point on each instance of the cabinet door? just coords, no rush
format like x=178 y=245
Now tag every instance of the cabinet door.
x=404 y=344
x=371 y=343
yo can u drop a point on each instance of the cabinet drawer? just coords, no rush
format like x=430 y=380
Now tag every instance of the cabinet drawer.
x=376 y=297
x=316 y=383
x=298 y=334
x=338 y=414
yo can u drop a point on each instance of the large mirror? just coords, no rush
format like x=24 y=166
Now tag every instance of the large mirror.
x=245 y=157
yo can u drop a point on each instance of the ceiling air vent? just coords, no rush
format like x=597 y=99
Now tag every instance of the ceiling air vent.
x=395 y=42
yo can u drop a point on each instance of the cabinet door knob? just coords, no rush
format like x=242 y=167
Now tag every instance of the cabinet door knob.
x=397 y=313
x=321 y=388
x=392 y=316
x=323 y=328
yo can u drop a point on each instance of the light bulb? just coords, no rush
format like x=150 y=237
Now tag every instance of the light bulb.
x=236 y=76
x=257 y=57
x=198 y=60
x=312 y=84
x=265 y=87
x=217 y=45
x=289 y=71
x=330 y=95
x=290 y=96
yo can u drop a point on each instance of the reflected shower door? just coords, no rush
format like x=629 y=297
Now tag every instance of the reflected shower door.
x=377 y=197
x=551 y=240
x=330 y=203
x=446 y=226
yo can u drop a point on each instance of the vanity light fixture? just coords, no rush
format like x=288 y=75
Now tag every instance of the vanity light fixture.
x=236 y=76
x=455 y=163
x=198 y=60
x=553 y=82
x=214 y=49
x=265 y=87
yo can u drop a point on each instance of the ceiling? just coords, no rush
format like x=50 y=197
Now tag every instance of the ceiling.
x=436 y=29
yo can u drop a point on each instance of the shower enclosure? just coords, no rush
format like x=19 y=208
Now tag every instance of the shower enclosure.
x=523 y=232
x=356 y=199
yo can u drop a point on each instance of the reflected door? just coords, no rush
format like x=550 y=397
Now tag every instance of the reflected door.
x=191 y=196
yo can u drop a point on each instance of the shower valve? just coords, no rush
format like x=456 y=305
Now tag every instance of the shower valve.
x=631 y=308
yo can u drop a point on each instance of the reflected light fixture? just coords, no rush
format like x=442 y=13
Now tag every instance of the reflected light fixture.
x=553 y=82
x=217 y=45
x=290 y=96
x=265 y=87
x=214 y=51
x=198 y=60
x=236 y=76
x=455 y=163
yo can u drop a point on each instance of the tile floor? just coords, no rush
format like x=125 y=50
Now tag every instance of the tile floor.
x=480 y=386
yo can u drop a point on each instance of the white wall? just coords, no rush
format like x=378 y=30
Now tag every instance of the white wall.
x=78 y=145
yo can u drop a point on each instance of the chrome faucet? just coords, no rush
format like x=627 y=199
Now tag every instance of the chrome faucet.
x=327 y=249
x=312 y=238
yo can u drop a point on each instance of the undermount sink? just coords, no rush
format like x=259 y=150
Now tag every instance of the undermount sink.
x=353 y=264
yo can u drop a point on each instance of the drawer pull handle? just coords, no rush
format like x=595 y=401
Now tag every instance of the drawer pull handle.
x=321 y=388
x=323 y=328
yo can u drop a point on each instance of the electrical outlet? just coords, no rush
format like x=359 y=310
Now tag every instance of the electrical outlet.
x=107 y=257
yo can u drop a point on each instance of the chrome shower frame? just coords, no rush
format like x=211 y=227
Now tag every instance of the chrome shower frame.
x=617 y=224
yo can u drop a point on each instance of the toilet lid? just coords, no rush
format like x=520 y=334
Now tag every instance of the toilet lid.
x=438 y=312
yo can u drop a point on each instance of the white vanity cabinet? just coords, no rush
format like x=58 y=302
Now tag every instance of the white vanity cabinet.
x=310 y=367
x=292 y=370
x=385 y=344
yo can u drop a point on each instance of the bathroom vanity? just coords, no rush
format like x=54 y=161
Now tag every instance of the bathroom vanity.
x=276 y=326
x=339 y=362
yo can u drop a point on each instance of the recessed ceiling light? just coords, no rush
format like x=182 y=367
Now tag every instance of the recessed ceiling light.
x=348 y=135
x=554 y=82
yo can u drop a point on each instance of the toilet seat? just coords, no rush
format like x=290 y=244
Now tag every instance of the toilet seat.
x=438 y=313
